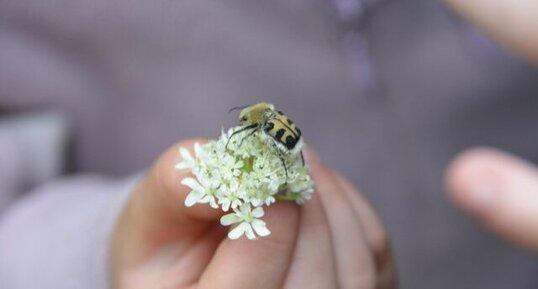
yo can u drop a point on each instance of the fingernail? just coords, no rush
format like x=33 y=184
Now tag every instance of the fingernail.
x=482 y=192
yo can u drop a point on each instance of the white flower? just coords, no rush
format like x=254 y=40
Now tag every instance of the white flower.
x=302 y=185
x=199 y=194
x=187 y=161
x=231 y=197
x=244 y=174
x=230 y=167
x=250 y=223
x=304 y=196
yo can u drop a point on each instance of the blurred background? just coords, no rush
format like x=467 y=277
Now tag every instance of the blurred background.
x=387 y=91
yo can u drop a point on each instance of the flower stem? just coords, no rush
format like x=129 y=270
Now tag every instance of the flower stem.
x=287 y=197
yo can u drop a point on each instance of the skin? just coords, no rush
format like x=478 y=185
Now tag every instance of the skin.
x=498 y=189
x=512 y=23
x=333 y=241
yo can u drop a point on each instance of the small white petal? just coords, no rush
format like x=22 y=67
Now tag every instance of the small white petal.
x=236 y=204
x=256 y=202
x=213 y=203
x=224 y=203
x=197 y=149
x=249 y=232
x=237 y=231
x=192 y=183
x=204 y=199
x=245 y=209
x=182 y=166
x=229 y=219
x=192 y=198
x=260 y=228
x=186 y=155
x=258 y=212
x=269 y=201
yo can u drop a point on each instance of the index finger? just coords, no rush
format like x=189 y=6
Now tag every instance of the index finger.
x=260 y=264
x=500 y=190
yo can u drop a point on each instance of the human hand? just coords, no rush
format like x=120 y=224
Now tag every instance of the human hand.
x=512 y=23
x=334 y=240
x=500 y=190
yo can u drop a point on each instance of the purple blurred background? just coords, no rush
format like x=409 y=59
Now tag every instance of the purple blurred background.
x=386 y=92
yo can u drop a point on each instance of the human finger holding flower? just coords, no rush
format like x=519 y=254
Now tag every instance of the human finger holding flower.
x=170 y=236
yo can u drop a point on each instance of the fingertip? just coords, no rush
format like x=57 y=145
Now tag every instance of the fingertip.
x=164 y=168
x=474 y=171
x=163 y=193
x=472 y=177
x=499 y=189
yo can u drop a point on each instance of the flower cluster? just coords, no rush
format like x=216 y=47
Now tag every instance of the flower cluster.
x=243 y=174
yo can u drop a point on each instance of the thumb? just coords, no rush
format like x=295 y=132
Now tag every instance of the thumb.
x=500 y=190
x=156 y=226
x=161 y=196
